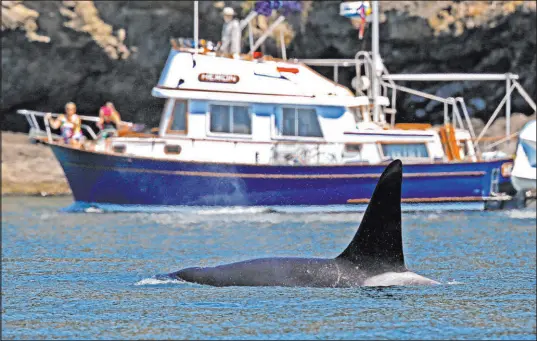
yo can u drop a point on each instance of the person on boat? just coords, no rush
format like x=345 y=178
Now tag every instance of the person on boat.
x=69 y=124
x=109 y=120
x=231 y=33
x=113 y=107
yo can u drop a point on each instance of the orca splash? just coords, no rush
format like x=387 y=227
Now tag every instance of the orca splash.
x=373 y=258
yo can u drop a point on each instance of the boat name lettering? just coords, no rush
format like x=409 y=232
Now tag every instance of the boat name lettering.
x=218 y=78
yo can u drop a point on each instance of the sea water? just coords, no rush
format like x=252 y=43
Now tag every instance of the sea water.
x=91 y=275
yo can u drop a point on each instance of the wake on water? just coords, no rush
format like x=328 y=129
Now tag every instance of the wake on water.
x=521 y=214
x=152 y=281
x=86 y=207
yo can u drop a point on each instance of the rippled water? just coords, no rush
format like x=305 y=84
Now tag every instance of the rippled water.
x=81 y=276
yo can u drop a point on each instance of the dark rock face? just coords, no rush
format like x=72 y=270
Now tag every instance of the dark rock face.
x=73 y=67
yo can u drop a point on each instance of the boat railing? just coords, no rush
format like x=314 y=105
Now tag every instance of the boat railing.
x=37 y=131
x=455 y=119
x=364 y=59
x=458 y=106
x=511 y=81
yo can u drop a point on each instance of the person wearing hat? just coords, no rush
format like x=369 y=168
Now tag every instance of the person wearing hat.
x=231 y=33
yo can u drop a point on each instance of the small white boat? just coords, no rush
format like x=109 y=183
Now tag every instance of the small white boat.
x=523 y=175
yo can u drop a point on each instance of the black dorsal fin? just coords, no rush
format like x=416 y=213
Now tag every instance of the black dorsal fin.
x=378 y=241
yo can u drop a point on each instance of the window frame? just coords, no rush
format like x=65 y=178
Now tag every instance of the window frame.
x=172 y=117
x=426 y=143
x=208 y=131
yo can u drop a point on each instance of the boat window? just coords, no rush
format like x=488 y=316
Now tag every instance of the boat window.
x=119 y=148
x=230 y=119
x=405 y=150
x=300 y=122
x=178 y=119
x=241 y=121
x=172 y=149
x=353 y=148
x=352 y=151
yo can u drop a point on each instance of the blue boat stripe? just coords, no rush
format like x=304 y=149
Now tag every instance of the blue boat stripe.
x=273 y=176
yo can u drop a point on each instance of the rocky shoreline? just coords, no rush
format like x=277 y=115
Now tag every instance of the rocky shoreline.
x=30 y=169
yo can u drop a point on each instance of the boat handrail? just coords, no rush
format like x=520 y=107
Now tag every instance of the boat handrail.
x=464 y=108
x=273 y=142
x=34 y=125
x=367 y=57
x=327 y=62
x=511 y=84
x=42 y=114
x=450 y=77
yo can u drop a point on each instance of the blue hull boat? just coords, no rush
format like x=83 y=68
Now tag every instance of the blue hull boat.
x=101 y=179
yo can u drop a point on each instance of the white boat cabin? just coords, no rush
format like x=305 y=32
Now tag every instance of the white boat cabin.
x=273 y=112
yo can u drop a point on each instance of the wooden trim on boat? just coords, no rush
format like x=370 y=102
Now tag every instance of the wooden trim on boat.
x=136 y=134
x=271 y=176
x=449 y=142
x=413 y=126
x=422 y=200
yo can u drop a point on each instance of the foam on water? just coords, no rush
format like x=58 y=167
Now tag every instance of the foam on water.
x=156 y=281
x=234 y=210
x=93 y=210
x=183 y=220
x=454 y=283
x=88 y=207
x=521 y=214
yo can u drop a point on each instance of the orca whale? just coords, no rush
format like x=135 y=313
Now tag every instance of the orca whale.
x=374 y=257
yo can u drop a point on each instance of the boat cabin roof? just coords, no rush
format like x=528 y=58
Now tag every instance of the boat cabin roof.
x=210 y=77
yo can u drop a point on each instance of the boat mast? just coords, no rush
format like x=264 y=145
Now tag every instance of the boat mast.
x=375 y=84
x=196 y=27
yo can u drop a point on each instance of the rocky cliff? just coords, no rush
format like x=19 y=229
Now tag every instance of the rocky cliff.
x=93 y=51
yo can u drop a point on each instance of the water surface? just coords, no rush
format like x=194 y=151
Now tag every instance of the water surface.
x=89 y=276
